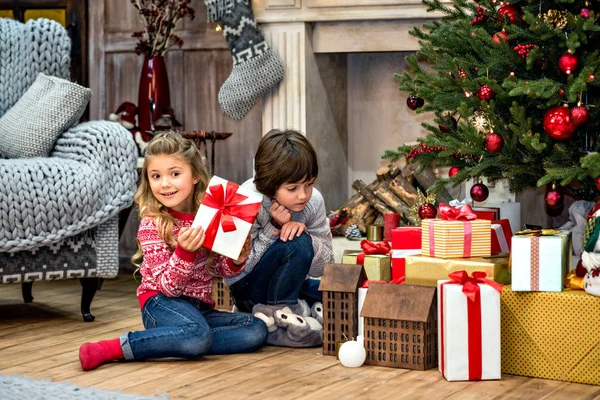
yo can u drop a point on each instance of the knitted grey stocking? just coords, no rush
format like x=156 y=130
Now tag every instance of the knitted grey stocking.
x=256 y=68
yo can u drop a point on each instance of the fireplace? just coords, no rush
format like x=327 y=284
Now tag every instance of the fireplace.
x=339 y=89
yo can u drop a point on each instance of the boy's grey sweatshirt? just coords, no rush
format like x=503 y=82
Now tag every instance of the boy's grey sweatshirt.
x=314 y=216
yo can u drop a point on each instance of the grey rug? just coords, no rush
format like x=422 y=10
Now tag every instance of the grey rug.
x=18 y=387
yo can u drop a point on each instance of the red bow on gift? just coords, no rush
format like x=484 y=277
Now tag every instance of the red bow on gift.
x=465 y=213
x=471 y=289
x=369 y=247
x=470 y=283
x=227 y=203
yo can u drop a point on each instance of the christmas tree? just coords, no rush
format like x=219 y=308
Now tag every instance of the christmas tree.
x=513 y=93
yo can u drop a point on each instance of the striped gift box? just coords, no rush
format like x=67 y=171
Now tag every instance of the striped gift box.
x=456 y=239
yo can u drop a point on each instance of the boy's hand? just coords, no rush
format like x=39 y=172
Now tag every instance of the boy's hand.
x=245 y=252
x=191 y=239
x=289 y=230
x=280 y=214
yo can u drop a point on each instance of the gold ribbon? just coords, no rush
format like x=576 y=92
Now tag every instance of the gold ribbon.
x=572 y=281
x=538 y=232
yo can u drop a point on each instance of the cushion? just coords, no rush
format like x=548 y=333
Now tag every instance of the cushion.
x=48 y=108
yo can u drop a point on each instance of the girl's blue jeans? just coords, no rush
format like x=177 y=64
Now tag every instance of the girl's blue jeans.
x=188 y=328
x=279 y=277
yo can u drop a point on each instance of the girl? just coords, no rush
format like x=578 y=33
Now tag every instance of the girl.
x=291 y=238
x=174 y=294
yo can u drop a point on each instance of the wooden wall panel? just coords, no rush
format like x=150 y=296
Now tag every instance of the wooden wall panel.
x=196 y=73
x=234 y=155
x=121 y=16
x=121 y=80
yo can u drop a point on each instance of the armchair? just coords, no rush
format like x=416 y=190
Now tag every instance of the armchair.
x=59 y=212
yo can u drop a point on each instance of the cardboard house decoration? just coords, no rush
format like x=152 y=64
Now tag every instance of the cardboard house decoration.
x=339 y=284
x=400 y=323
x=220 y=295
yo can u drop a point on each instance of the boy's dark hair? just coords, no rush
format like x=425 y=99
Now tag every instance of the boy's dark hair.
x=282 y=157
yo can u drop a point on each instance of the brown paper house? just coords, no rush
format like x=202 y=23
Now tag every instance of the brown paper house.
x=339 y=284
x=400 y=326
x=220 y=295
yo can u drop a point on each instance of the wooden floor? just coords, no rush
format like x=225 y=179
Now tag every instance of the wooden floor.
x=41 y=340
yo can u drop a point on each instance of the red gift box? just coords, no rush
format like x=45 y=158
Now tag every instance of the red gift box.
x=406 y=241
x=489 y=213
x=501 y=236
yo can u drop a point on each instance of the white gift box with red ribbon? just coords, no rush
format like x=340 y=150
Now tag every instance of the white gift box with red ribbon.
x=227 y=213
x=469 y=327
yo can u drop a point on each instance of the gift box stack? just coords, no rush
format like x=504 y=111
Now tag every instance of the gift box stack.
x=462 y=239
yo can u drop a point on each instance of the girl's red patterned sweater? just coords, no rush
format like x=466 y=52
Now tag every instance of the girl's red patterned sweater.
x=180 y=272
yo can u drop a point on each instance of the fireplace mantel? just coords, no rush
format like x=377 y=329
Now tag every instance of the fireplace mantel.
x=313 y=38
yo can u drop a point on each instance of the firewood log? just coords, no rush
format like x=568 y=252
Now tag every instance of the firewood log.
x=368 y=194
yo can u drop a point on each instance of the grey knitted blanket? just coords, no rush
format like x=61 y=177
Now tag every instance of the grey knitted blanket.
x=89 y=177
x=26 y=50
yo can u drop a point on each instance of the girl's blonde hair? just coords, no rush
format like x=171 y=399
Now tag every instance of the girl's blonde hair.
x=170 y=144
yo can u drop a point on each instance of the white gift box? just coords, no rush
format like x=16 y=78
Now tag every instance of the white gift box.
x=226 y=214
x=454 y=345
x=540 y=263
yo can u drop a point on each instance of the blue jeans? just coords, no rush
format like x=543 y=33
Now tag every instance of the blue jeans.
x=188 y=328
x=279 y=277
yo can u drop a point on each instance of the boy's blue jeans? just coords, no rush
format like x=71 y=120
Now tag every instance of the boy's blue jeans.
x=188 y=328
x=279 y=277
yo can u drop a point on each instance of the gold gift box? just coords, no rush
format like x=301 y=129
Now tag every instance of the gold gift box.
x=377 y=266
x=551 y=335
x=449 y=238
x=426 y=271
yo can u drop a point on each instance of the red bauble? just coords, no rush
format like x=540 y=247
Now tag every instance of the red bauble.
x=579 y=115
x=449 y=124
x=493 y=142
x=568 y=62
x=511 y=12
x=554 y=198
x=585 y=13
x=414 y=102
x=485 y=93
x=479 y=192
x=427 y=211
x=453 y=171
x=500 y=37
x=598 y=183
x=558 y=124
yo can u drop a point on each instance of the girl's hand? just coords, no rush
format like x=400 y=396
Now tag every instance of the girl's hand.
x=191 y=239
x=289 y=230
x=245 y=252
x=280 y=214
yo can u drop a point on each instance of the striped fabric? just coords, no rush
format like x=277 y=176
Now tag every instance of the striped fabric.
x=456 y=239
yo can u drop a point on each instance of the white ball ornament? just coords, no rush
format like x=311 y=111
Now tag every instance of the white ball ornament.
x=352 y=354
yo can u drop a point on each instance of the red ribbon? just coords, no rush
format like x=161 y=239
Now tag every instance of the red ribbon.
x=366 y=283
x=227 y=204
x=369 y=247
x=465 y=213
x=472 y=291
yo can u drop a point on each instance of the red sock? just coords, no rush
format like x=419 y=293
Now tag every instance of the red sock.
x=92 y=355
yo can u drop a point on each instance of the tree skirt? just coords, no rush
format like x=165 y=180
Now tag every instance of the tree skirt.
x=18 y=387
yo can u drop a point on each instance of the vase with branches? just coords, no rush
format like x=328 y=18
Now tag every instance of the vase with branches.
x=160 y=19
